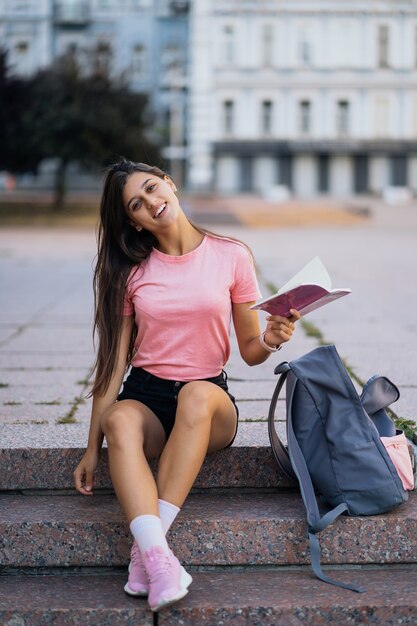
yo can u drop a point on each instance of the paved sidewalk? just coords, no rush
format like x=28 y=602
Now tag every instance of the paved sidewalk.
x=46 y=348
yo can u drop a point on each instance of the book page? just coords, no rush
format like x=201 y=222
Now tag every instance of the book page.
x=314 y=273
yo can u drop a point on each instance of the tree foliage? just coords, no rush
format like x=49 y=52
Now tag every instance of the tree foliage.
x=16 y=154
x=63 y=113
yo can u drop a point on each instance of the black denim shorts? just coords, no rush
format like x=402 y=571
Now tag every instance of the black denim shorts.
x=161 y=395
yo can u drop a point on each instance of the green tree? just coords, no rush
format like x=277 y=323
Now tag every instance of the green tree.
x=87 y=118
x=64 y=113
x=15 y=119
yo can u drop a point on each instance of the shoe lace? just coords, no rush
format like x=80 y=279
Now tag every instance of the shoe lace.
x=135 y=555
x=161 y=565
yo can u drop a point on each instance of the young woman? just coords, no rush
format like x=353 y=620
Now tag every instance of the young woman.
x=165 y=291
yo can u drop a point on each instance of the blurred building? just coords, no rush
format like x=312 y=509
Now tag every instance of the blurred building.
x=319 y=96
x=26 y=33
x=143 y=41
x=316 y=95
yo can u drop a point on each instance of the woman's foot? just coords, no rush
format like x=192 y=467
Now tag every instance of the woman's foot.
x=168 y=580
x=137 y=581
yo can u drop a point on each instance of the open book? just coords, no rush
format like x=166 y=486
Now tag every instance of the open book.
x=308 y=290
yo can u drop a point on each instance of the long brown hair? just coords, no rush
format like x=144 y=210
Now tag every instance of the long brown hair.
x=120 y=248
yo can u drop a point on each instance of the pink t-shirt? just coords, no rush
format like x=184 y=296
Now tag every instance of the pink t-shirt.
x=182 y=307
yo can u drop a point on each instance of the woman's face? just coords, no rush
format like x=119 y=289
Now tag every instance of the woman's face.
x=150 y=201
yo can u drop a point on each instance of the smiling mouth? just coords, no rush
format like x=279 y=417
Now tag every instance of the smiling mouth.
x=160 y=211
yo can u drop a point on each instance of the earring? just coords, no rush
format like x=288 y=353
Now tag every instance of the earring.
x=138 y=228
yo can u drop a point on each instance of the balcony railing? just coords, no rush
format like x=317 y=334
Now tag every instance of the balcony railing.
x=72 y=12
x=180 y=6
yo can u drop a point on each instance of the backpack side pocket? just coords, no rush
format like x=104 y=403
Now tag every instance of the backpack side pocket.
x=397 y=448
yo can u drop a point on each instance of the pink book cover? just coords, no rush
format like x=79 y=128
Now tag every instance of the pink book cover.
x=304 y=295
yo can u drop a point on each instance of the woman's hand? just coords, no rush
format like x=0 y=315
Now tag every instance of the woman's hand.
x=280 y=329
x=84 y=472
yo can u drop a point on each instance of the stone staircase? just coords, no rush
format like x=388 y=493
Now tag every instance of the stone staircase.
x=241 y=533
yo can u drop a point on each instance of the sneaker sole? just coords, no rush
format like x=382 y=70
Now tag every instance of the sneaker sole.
x=185 y=582
x=186 y=578
x=142 y=593
x=139 y=594
x=164 y=603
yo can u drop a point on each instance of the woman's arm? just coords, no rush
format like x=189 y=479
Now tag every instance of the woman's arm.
x=84 y=473
x=246 y=322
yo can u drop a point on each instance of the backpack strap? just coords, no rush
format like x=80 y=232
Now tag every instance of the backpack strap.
x=298 y=467
x=279 y=450
x=315 y=522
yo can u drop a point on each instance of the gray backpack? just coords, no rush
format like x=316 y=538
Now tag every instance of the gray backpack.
x=334 y=447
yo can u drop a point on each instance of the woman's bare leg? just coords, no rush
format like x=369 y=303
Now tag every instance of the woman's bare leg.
x=133 y=434
x=205 y=421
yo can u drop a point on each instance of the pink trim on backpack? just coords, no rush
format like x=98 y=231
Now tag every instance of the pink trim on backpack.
x=397 y=448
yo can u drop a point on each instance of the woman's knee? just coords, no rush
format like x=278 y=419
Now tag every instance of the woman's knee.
x=119 y=425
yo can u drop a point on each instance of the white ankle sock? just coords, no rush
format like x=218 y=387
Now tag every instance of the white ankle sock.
x=148 y=532
x=167 y=512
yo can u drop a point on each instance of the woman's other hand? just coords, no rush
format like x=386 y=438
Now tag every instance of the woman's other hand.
x=280 y=329
x=84 y=473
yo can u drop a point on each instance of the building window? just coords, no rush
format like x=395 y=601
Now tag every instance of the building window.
x=104 y=49
x=172 y=58
x=415 y=46
x=266 y=120
x=173 y=66
x=345 y=47
x=246 y=174
x=22 y=57
x=267 y=44
x=138 y=62
x=342 y=117
x=399 y=170
x=381 y=117
x=415 y=118
x=21 y=5
x=22 y=48
x=361 y=173
x=229 y=45
x=323 y=172
x=305 y=117
x=102 y=57
x=138 y=5
x=228 y=117
x=305 y=49
x=383 y=46
x=71 y=48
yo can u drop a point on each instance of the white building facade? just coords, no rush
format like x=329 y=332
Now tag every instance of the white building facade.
x=317 y=95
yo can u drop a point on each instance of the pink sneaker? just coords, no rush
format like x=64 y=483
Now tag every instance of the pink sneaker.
x=137 y=581
x=168 y=581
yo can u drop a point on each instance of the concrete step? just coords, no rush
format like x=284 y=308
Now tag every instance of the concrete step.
x=212 y=530
x=52 y=468
x=244 y=598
